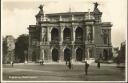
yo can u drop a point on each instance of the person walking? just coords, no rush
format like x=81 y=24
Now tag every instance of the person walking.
x=66 y=61
x=98 y=64
x=12 y=63
x=86 y=68
x=42 y=62
x=69 y=65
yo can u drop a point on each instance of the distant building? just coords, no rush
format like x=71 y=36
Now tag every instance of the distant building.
x=122 y=52
x=8 y=49
x=70 y=35
x=115 y=51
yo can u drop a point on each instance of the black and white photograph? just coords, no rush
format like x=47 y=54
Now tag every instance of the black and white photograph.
x=63 y=41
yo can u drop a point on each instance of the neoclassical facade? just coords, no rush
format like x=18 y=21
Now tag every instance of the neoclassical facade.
x=70 y=35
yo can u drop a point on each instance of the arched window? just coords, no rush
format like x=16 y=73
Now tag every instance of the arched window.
x=79 y=34
x=55 y=34
x=67 y=34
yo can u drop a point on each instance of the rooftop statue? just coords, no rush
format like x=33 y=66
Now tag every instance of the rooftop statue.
x=41 y=7
x=95 y=5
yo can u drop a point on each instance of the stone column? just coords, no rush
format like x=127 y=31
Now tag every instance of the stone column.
x=61 y=35
x=73 y=54
x=72 y=17
x=83 y=56
x=42 y=54
x=48 y=34
x=88 y=54
x=49 y=54
x=109 y=36
x=94 y=52
x=109 y=55
x=60 y=18
x=93 y=34
x=40 y=44
x=61 y=53
x=85 y=53
x=74 y=34
x=86 y=33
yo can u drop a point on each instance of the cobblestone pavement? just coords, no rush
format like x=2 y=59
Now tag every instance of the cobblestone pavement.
x=59 y=72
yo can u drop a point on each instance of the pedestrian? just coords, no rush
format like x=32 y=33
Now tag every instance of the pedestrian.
x=69 y=65
x=86 y=68
x=42 y=62
x=12 y=63
x=98 y=64
x=66 y=61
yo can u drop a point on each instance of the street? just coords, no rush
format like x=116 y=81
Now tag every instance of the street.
x=59 y=72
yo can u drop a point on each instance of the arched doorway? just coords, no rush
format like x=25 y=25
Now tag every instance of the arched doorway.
x=34 y=56
x=67 y=34
x=54 y=34
x=79 y=34
x=67 y=54
x=105 y=54
x=79 y=54
x=55 y=55
x=90 y=53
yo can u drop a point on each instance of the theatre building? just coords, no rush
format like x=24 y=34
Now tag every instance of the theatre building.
x=75 y=36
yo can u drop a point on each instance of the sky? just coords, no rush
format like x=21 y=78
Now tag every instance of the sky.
x=17 y=15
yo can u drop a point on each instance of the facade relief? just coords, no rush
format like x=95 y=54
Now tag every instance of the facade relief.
x=89 y=33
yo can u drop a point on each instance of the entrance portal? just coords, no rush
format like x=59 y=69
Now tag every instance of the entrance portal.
x=67 y=54
x=79 y=53
x=105 y=54
x=34 y=56
x=55 y=56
